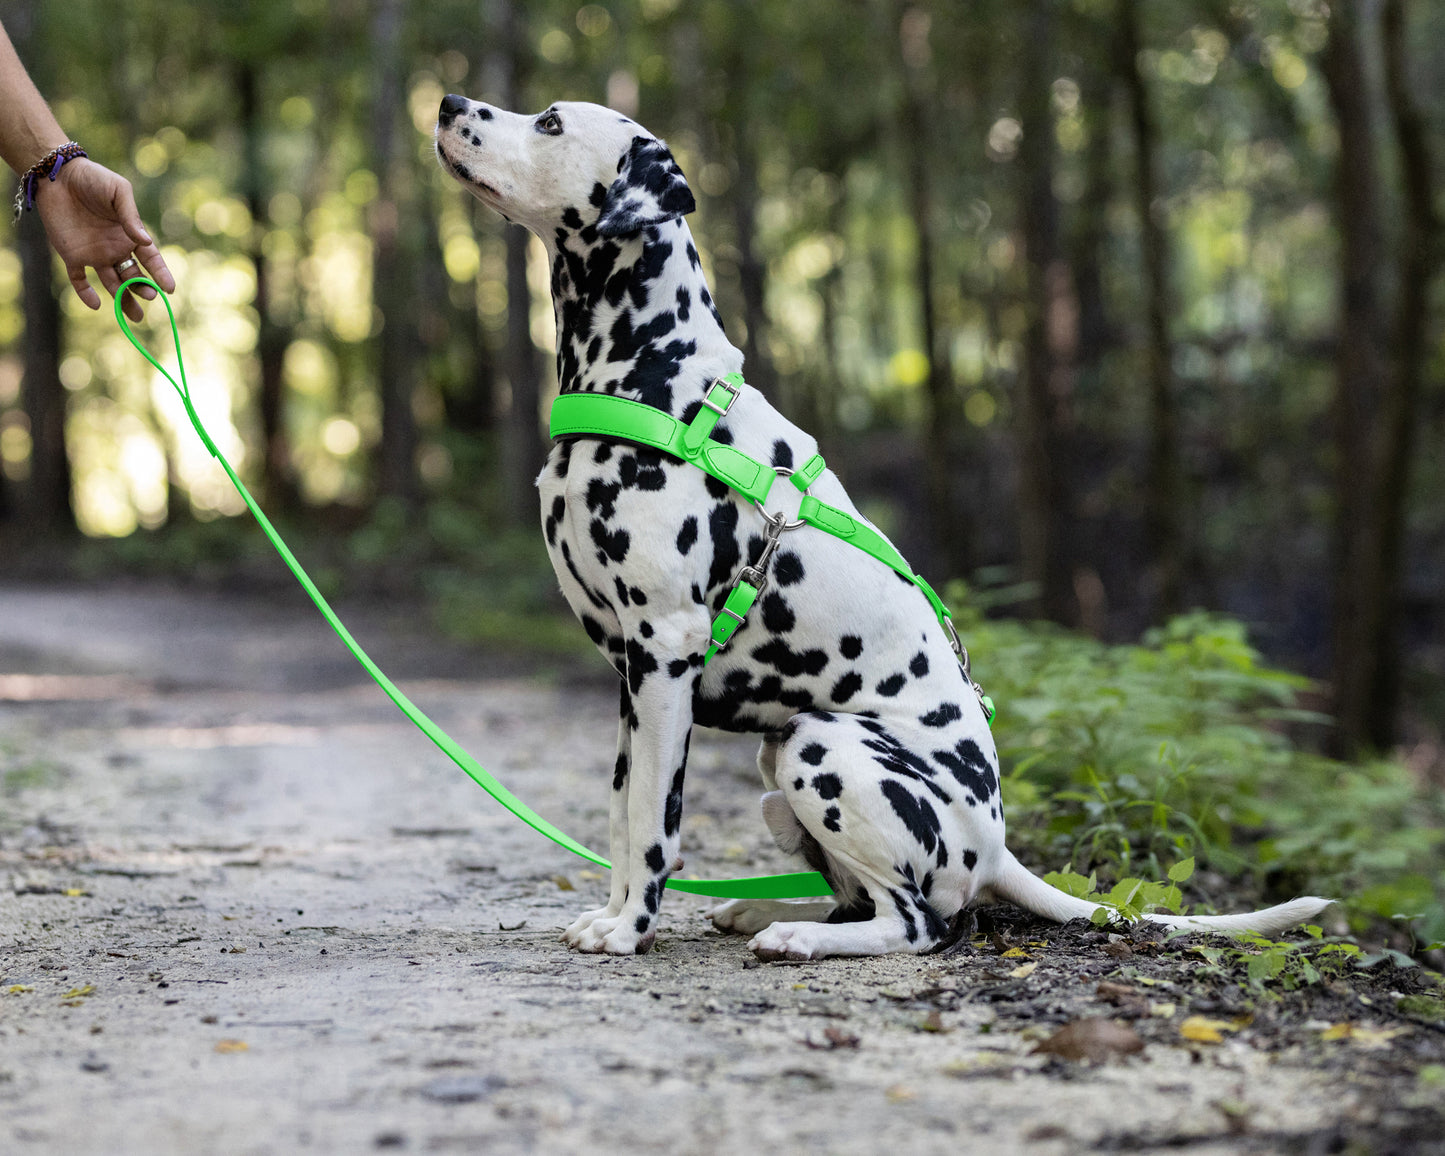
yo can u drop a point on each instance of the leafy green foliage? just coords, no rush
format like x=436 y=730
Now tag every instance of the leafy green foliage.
x=1118 y=760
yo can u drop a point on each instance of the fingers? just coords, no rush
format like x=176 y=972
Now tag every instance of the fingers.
x=83 y=288
x=145 y=248
x=112 y=282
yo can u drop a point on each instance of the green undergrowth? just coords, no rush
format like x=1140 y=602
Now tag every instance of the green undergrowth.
x=1121 y=761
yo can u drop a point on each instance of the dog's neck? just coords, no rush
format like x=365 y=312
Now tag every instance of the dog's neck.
x=635 y=316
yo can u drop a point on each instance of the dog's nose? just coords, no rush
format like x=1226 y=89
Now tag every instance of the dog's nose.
x=452 y=107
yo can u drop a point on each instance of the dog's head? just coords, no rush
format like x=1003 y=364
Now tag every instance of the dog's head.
x=573 y=165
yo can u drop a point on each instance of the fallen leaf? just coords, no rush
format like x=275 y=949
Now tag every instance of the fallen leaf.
x=18 y=989
x=1162 y=1010
x=1203 y=1030
x=1118 y=949
x=1095 y=1039
x=590 y=876
x=227 y=1047
x=1115 y=991
x=1023 y=971
x=77 y=992
x=1016 y=953
x=563 y=883
x=900 y=1094
x=1372 y=1039
x=74 y=892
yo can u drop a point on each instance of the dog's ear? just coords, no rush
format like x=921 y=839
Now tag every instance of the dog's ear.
x=649 y=189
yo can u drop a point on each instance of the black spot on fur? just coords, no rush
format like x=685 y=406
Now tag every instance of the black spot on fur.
x=788 y=568
x=619 y=773
x=813 y=754
x=891 y=685
x=640 y=663
x=777 y=614
x=672 y=814
x=919 y=665
x=946 y=713
x=968 y=764
x=970 y=859
x=831 y=817
x=782 y=454
x=850 y=646
x=687 y=536
x=678 y=667
x=917 y=815
x=846 y=687
x=788 y=662
x=610 y=544
x=828 y=785
x=654 y=858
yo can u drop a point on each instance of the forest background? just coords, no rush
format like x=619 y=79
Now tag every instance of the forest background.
x=1108 y=310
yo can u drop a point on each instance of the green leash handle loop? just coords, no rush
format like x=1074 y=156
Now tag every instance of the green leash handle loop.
x=792 y=885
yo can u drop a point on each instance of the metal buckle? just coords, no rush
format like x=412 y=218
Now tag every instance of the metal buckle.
x=720 y=410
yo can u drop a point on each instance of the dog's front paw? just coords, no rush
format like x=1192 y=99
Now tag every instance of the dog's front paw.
x=579 y=926
x=793 y=941
x=610 y=935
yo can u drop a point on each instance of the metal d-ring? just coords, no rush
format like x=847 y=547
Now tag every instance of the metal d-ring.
x=783 y=472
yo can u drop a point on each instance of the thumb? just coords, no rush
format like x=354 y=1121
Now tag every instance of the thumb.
x=126 y=213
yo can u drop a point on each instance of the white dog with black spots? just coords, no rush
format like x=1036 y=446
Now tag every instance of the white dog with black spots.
x=877 y=760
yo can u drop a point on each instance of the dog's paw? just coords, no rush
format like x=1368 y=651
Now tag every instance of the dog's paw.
x=610 y=935
x=746 y=916
x=795 y=941
x=578 y=927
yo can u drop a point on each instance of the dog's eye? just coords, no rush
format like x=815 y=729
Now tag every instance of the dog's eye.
x=550 y=123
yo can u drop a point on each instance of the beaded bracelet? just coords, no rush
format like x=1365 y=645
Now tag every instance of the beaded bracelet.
x=48 y=166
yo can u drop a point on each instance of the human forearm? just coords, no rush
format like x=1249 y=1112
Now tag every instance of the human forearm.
x=28 y=129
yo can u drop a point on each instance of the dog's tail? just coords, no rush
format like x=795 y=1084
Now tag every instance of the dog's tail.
x=1018 y=884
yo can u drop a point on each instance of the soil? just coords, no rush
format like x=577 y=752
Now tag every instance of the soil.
x=245 y=907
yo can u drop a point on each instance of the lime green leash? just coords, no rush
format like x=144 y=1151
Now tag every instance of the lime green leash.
x=792 y=885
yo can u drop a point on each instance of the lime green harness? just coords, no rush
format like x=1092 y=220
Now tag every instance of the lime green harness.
x=605 y=416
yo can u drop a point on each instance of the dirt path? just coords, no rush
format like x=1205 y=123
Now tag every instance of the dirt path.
x=245 y=908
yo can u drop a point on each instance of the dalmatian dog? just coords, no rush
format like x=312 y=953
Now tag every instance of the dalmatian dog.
x=876 y=759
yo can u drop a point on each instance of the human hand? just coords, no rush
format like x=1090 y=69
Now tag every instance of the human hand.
x=91 y=219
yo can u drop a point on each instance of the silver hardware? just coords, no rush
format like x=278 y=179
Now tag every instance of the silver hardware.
x=782 y=472
x=720 y=410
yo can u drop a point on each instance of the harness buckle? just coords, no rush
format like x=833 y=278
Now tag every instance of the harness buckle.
x=720 y=410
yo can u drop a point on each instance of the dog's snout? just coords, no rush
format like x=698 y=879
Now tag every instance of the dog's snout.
x=452 y=107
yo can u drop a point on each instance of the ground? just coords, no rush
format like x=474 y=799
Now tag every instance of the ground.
x=245 y=907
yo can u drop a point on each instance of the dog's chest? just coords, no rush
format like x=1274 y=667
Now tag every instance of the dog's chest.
x=646 y=549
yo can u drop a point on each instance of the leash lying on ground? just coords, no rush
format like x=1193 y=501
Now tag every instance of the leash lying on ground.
x=786 y=886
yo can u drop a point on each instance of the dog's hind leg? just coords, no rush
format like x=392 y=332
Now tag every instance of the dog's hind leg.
x=876 y=823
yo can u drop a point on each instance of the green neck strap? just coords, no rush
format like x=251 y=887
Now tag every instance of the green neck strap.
x=793 y=885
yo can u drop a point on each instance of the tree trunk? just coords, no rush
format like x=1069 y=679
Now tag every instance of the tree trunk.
x=1419 y=264
x=1360 y=367
x=951 y=528
x=1164 y=518
x=1047 y=361
x=45 y=498
x=391 y=288
x=278 y=477
x=522 y=448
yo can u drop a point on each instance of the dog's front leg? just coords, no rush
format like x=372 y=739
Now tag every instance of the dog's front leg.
x=661 y=725
x=616 y=826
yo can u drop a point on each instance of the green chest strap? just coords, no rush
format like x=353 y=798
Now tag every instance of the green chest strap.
x=601 y=415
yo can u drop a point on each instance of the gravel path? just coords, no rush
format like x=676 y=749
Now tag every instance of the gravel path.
x=246 y=908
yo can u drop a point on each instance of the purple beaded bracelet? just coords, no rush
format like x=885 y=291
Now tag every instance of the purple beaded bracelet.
x=48 y=166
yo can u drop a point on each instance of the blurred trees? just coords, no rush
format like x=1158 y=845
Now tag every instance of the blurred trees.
x=1135 y=304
